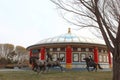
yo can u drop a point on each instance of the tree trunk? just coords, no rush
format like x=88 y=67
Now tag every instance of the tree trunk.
x=116 y=63
x=116 y=70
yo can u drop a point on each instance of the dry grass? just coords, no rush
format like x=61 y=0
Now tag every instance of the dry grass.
x=55 y=75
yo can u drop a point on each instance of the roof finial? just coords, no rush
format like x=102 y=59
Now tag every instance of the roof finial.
x=69 y=30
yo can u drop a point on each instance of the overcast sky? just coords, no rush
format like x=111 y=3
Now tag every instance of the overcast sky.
x=26 y=22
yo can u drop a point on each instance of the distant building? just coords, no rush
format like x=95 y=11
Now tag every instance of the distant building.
x=74 y=48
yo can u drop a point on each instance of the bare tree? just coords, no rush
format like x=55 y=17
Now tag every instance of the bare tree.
x=12 y=55
x=6 y=49
x=0 y=51
x=22 y=54
x=102 y=15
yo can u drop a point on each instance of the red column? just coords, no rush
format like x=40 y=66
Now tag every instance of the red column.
x=30 y=53
x=96 y=55
x=42 y=52
x=68 y=56
x=109 y=59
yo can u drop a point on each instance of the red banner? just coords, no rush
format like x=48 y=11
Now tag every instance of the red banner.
x=42 y=52
x=96 y=55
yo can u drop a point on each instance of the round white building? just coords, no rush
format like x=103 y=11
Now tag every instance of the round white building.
x=73 y=48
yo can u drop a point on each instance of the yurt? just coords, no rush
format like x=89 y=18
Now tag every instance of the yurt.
x=73 y=47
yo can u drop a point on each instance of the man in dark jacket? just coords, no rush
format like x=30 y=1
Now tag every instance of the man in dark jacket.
x=91 y=59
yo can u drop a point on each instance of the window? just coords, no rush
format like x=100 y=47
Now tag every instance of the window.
x=74 y=49
x=54 y=49
x=104 y=58
x=35 y=51
x=99 y=50
x=62 y=55
x=100 y=58
x=75 y=57
x=79 y=49
x=47 y=50
x=58 y=49
x=102 y=51
x=54 y=55
x=51 y=49
x=87 y=49
x=107 y=59
x=82 y=56
x=62 y=49
x=83 y=49
x=90 y=49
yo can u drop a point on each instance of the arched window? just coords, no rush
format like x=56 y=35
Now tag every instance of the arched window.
x=54 y=55
x=104 y=58
x=75 y=57
x=82 y=56
x=100 y=58
x=62 y=55
x=107 y=59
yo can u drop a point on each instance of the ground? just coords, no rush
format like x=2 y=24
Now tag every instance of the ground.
x=54 y=75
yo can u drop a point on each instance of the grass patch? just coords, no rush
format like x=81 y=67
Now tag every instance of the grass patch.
x=55 y=75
